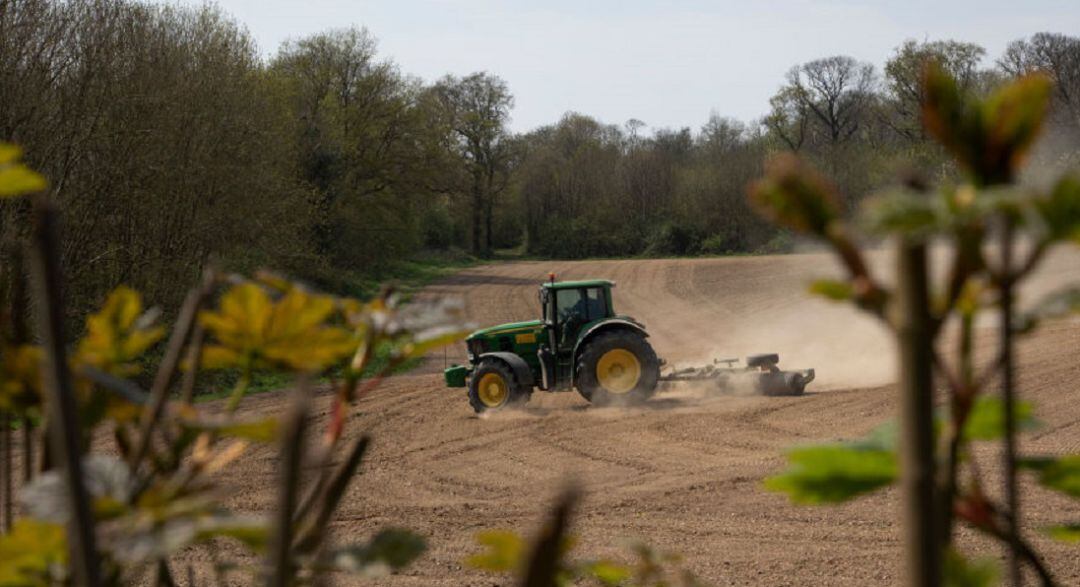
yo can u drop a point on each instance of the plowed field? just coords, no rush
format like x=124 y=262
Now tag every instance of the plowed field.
x=685 y=470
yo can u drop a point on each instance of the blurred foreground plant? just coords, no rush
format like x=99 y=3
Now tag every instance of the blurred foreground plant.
x=158 y=491
x=984 y=221
x=547 y=561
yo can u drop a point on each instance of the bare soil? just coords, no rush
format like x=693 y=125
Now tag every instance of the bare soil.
x=684 y=471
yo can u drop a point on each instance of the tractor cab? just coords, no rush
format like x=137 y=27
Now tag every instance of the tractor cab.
x=570 y=305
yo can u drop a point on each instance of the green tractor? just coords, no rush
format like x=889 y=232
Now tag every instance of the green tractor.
x=580 y=342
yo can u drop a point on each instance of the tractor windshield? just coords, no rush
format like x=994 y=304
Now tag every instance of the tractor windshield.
x=576 y=307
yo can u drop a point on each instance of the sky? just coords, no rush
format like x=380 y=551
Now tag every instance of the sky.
x=670 y=64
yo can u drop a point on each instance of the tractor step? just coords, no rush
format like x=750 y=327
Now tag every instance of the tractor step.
x=759 y=372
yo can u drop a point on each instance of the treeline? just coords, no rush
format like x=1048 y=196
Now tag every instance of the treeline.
x=171 y=143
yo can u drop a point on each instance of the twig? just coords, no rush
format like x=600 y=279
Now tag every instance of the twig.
x=6 y=473
x=543 y=568
x=329 y=496
x=164 y=577
x=160 y=389
x=279 y=563
x=194 y=355
x=60 y=401
x=1009 y=395
x=122 y=387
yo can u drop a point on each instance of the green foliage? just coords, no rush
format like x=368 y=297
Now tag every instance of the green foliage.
x=1059 y=211
x=255 y=332
x=1065 y=533
x=33 y=553
x=961 y=572
x=837 y=291
x=989 y=138
x=986 y=421
x=504 y=552
x=1057 y=473
x=796 y=196
x=390 y=550
x=903 y=212
x=507 y=553
x=834 y=473
x=671 y=239
x=17 y=179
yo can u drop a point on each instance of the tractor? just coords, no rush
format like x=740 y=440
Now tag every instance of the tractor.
x=581 y=343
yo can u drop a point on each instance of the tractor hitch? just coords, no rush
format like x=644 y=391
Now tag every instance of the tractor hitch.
x=759 y=373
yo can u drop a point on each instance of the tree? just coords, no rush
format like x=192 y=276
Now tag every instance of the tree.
x=1056 y=55
x=903 y=73
x=477 y=110
x=834 y=91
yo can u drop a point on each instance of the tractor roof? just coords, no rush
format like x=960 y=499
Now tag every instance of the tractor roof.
x=577 y=284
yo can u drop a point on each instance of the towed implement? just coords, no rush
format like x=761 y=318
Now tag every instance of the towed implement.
x=581 y=343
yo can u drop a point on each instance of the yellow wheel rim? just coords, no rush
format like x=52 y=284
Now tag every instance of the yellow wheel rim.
x=618 y=371
x=493 y=390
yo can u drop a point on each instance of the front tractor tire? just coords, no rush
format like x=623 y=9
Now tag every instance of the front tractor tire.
x=618 y=367
x=493 y=387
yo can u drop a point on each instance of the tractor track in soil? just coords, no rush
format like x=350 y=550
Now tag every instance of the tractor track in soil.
x=684 y=471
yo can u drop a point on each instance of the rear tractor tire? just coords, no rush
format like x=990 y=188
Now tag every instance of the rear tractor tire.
x=618 y=367
x=493 y=387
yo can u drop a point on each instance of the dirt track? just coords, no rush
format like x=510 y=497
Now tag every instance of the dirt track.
x=683 y=472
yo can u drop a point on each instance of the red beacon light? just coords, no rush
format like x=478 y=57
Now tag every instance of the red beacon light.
x=551 y=277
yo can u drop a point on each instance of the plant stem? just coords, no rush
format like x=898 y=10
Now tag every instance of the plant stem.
x=279 y=561
x=159 y=392
x=63 y=421
x=914 y=335
x=6 y=473
x=238 y=391
x=962 y=394
x=1012 y=501
x=28 y=449
x=194 y=355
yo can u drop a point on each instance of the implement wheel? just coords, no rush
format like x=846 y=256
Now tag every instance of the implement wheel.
x=618 y=367
x=493 y=386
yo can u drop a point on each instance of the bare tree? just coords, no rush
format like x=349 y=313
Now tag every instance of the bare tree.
x=836 y=91
x=1056 y=55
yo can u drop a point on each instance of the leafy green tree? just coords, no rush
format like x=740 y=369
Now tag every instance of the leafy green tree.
x=476 y=110
x=903 y=72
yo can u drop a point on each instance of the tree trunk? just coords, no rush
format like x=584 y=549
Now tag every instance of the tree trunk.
x=477 y=216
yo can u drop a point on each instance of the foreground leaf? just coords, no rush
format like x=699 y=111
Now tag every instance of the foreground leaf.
x=793 y=194
x=1059 y=212
x=265 y=430
x=504 y=553
x=32 y=553
x=1065 y=532
x=986 y=421
x=17 y=179
x=961 y=572
x=1057 y=473
x=834 y=473
x=904 y=213
x=118 y=334
x=837 y=291
x=391 y=550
